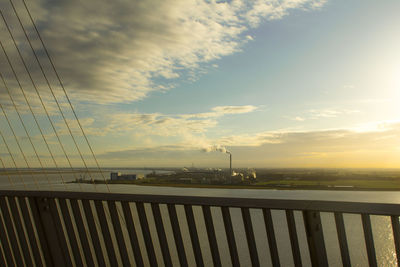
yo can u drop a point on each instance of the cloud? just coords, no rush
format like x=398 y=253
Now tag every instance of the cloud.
x=322 y=114
x=335 y=138
x=295 y=118
x=234 y=109
x=119 y=51
x=330 y=113
x=157 y=124
x=272 y=10
x=325 y=113
x=324 y=148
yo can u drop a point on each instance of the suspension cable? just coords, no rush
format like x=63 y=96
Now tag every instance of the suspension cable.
x=11 y=155
x=19 y=115
x=65 y=93
x=53 y=94
x=33 y=114
x=8 y=175
x=41 y=100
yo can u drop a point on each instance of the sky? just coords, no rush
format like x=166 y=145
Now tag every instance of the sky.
x=278 y=83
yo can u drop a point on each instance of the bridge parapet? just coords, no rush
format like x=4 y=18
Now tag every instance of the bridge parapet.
x=53 y=228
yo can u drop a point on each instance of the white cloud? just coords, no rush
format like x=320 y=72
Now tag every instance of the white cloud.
x=330 y=113
x=276 y=9
x=295 y=118
x=325 y=113
x=118 y=51
x=233 y=109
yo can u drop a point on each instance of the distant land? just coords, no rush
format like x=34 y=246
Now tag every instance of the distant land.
x=286 y=179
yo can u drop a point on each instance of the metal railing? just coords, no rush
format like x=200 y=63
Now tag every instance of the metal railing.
x=45 y=228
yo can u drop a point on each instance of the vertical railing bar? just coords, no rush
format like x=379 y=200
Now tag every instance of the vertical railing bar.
x=194 y=236
x=294 y=242
x=212 y=240
x=132 y=233
x=315 y=238
x=11 y=233
x=369 y=239
x=230 y=237
x=273 y=248
x=161 y=234
x=82 y=232
x=118 y=233
x=6 y=245
x=251 y=242
x=106 y=232
x=396 y=236
x=45 y=219
x=344 y=249
x=33 y=205
x=146 y=234
x=93 y=232
x=20 y=231
x=70 y=231
x=60 y=232
x=177 y=234
x=2 y=257
x=30 y=231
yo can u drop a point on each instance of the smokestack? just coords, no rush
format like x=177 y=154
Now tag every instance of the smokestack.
x=221 y=149
x=230 y=163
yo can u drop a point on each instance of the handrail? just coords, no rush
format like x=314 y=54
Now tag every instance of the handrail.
x=236 y=202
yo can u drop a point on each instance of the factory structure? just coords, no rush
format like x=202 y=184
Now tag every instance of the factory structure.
x=216 y=176
x=193 y=175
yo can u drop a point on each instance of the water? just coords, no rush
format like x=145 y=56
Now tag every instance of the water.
x=381 y=225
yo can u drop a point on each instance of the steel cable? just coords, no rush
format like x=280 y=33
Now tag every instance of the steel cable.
x=19 y=115
x=11 y=155
x=65 y=93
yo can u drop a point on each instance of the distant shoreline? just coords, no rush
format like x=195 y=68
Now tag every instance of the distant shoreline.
x=241 y=186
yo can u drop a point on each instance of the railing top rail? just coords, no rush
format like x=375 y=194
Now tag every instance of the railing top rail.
x=284 y=204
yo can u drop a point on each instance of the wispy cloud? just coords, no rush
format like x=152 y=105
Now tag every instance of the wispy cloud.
x=118 y=51
x=330 y=113
x=324 y=148
x=295 y=118
x=322 y=114
x=158 y=124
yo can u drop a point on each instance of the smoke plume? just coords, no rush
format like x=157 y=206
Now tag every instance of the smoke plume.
x=216 y=148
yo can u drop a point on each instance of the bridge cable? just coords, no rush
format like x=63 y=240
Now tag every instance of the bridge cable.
x=8 y=174
x=42 y=101
x=68 y=99
x=65 y=93
x=30 y=108
x=19 y=115
x=54 y=96
x=9 y=150
x=13 y=159
x=40 y=98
